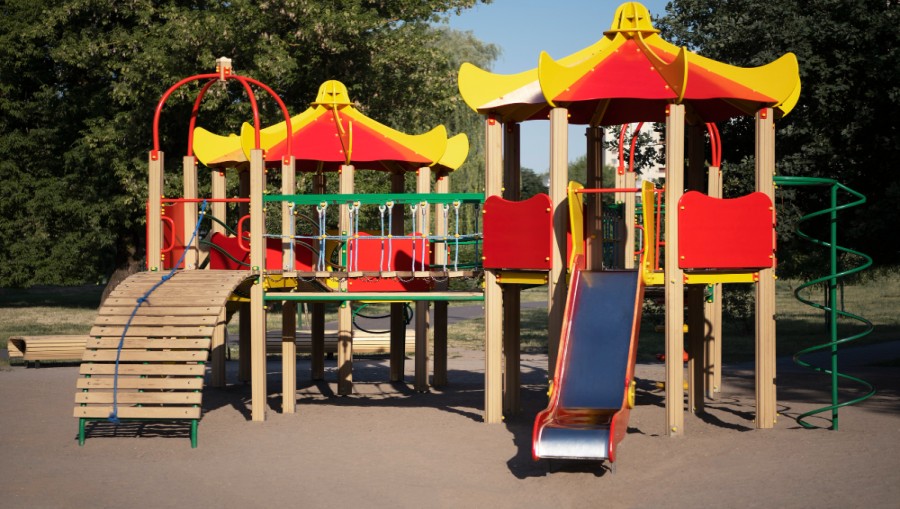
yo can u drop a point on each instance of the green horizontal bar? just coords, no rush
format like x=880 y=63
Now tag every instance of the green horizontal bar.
x=376 y=199
x=366 y=297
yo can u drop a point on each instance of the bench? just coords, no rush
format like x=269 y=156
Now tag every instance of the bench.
x=46 y=348
x=363 y=342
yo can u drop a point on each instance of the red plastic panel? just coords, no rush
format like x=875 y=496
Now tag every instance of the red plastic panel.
x=401 y=260
x=736 y=233
x=218 y=260
x=518 y=235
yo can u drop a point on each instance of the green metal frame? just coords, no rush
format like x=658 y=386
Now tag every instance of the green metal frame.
x=830 y=307
x=82 y=424
x=376 y=199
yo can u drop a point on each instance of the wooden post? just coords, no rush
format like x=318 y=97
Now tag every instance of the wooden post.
x=439 y=378
x=154 y=221
x=288 y=309
x=512 y=294
x=493 y=297
x=220 y=334
x=257 y=302
x=345 y=311
x=765 y=288
x=398 y=321
x=674 y=275
x=559 y=179
x=697 y=364
x=218 y=210
x=191 y=255
x=713 y=311
x=317 y=309
x=288 y=357
x=244 y=309
x=593 y=202
x=628 y=220
x=423 y=185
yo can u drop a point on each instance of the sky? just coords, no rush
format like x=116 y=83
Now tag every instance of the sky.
x=524 y=28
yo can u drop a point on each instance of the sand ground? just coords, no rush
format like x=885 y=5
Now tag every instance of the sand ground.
x=390 y=447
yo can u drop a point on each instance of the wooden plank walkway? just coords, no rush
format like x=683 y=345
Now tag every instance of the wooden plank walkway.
x=157 y=372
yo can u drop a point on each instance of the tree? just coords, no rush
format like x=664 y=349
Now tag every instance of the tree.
x=844 y=125
x=80 y=79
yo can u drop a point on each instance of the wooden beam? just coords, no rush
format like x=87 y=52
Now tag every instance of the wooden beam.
x=439 y=365
x=398 y=321
x=219 y=210
x=593 y=203
x=154 y=195
x=345 y=312
x=512 y=184
x=190 y=214
x=493 y=297
x=766 y=413
x=257 y=303
x=288 y=357
x=697 y=365
x=559 y=180
x=713 y=311
x=317 y=327
x=244 y=365
x=674 y=275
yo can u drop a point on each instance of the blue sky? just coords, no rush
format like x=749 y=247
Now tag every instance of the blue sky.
x=524 y=28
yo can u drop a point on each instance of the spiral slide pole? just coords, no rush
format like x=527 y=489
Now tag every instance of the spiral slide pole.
x=830 y=307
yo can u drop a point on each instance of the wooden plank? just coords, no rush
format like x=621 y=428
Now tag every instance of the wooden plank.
x=145 y=343
x=156 y=301
x=126 y=382
x=141 y=319
x=175 y=294
x=160 y=310
x=128 y=412
x=140 y=398
x=166 y=331
x=145 y=356
x=144 y=369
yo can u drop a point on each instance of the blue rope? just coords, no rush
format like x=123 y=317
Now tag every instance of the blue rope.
x=113 y=416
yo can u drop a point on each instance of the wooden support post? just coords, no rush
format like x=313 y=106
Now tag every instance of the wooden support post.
x=421 y=363
x=218 y=210
x=593 y=203
x=423 y=185
x=257 y=302
x=697 y=365
x=398 y=321
x=244 y=309
x=439 y=378
x=317 y=327
x=154 y=221
x=628 y=221
x=192 y=254
x=493 y=297
x=512 y=294
x=317 y=341
x=345 y=312
x=289 y=309
x=766 y=413
x=674 y=275
x=288 y=357
x=218 y=352
x=713 y=311
x=559 y=180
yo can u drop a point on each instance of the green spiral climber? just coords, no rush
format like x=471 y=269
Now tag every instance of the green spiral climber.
x=829 y=307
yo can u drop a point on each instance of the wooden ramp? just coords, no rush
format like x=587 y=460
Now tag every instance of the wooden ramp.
x=162 y=357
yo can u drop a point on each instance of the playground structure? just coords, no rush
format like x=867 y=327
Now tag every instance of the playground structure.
x=631 y=75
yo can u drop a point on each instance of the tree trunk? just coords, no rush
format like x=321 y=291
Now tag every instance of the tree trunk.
x=128 y=262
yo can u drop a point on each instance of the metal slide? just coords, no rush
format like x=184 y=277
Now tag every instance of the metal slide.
x=593 y=391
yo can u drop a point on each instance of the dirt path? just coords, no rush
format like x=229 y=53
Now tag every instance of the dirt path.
x=390 y=447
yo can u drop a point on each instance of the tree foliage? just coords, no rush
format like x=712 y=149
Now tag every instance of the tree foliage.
x=80 y=79
x=845 y=123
